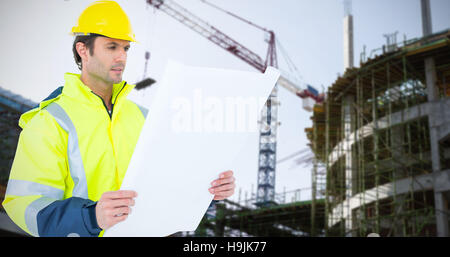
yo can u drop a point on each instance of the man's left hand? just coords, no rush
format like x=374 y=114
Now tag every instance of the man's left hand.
x=223 y=187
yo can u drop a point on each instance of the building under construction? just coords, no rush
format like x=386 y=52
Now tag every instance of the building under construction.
x=385 y=143
x=381 y=142
x=375 y=167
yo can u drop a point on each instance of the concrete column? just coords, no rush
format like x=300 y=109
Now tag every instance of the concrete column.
x=427 y=27
x=397 y=140
x=349 y=126
x=440 y=202
x=348 y=42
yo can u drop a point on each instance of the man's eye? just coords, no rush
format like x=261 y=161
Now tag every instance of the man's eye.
x=112 y=47
x=126 y=49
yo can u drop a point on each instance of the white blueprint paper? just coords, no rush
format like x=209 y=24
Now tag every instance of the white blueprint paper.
x=191 y=134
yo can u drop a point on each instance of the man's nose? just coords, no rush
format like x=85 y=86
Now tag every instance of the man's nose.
x=122 y=56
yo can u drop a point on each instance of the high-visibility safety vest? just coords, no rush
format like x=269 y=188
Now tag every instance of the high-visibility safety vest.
x=71 y=150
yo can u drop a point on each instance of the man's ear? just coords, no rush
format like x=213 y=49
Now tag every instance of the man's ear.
x=82 y=50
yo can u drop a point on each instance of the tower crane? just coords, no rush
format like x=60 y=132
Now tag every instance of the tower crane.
x=268 y=126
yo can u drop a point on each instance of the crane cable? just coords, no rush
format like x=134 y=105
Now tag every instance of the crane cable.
x=235 y=16
x=291 y=66
x=293 y=155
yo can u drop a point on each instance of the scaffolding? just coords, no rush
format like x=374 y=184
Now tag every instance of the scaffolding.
x=372 y=134
x=245 y=218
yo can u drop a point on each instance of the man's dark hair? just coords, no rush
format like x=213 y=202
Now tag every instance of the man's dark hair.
x=88 y=40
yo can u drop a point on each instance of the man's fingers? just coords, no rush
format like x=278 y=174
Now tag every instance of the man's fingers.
x=113 y=207
x=222 y=188
x=114 y=203
x=123 y=202
x=224 y=194
x=226 y=174
x=120 y=194
x=121 y=211
x=219 y=182
x=120 y=218
x=117 y=219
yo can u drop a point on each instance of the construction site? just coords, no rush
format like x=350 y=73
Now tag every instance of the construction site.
x=379 y=168
x=379 y=143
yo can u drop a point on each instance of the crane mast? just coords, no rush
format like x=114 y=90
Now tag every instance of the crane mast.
x=269 y=121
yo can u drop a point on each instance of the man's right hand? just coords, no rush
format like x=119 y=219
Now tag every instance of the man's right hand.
x=114 y=207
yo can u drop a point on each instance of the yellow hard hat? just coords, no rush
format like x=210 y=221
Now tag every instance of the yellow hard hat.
x=105 y=18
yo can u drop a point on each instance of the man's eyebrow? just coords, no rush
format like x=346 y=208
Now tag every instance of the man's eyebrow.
x=116 y=44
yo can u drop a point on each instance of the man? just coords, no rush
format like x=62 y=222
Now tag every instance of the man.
x=76 y=145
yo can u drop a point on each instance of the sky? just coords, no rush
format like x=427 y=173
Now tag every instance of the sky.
x=37 y=50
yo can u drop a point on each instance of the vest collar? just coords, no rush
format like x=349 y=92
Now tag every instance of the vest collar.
x=75 y=88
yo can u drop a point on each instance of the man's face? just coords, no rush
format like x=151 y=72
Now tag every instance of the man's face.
x=109 y=59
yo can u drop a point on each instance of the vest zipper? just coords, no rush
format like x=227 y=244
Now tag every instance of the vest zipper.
x=112 y=104
x=106 y=107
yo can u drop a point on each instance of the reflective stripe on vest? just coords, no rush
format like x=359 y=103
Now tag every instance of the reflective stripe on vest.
x=28 y=188
x=24 y=188
x=143 y=110
x=76 y=167
x=32 y=211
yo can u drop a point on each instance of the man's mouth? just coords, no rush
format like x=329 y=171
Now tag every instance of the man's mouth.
x=117 y=70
